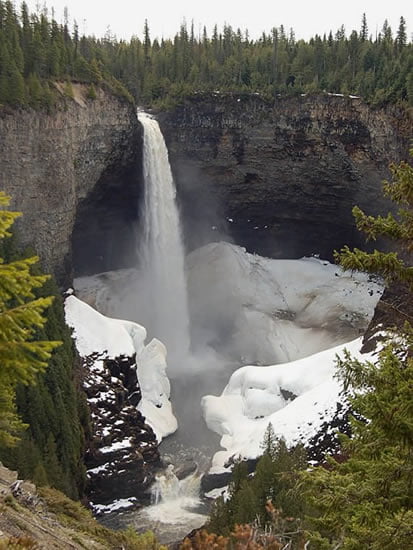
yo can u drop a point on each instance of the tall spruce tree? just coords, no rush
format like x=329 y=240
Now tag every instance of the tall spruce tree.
x=367 y=500
x=22 y=356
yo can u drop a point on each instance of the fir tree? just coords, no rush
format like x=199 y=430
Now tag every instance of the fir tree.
x=22 y=356
x=364 y=29
x=398 y=228
x=367 y=500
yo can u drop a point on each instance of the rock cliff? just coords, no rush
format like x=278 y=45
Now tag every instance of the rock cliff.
x=281 y=177
x=122 y=454
x=278 y=177
x=67 y=171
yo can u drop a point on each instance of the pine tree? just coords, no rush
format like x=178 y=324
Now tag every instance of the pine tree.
x=364 y=29
x=367 y=500
x=21 y=315
x=269 y=442
x=398 y=228
x=401 y=37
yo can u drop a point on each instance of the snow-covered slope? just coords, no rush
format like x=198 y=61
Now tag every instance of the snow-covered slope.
x=111 y=338
x=271 y=311
x=296 y=397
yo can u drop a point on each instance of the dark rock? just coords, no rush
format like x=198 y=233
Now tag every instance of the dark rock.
x=186 y=469
x=122 y=455
x=281 y=177
x=135 y=398
x=393 y=310
x=74 y=171
x=215 y=481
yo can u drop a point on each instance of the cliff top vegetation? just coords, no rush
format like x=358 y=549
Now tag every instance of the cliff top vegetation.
x=36 y=51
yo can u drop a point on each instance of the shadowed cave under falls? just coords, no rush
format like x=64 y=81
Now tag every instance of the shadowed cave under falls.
x=213 y=308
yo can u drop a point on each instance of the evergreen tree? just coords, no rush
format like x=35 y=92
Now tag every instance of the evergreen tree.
x=273 y=482
x=367 y=500
x=364 y=29
x=162 y=72
x=22 y=356
x=398 y=228
x=269 y=442
x=401 y=38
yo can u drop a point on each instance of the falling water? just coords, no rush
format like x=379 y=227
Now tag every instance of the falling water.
x=169 y=489
x=162 y=251
x=176 y=509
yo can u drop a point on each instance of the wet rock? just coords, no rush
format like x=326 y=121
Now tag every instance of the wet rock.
x=216 y=481
x=281 y=177
x=122 y=454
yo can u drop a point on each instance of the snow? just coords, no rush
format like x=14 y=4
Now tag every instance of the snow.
x=219 y=492
x=117 y=446
x=275 y=311
x=253 y=398
x=155 y=405
x=99 y=469
x=93 y=332
x=122 y=503
x=96 y=333
x=293 y=315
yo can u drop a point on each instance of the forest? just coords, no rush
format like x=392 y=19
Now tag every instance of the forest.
x=36 y=51
x=360 y=499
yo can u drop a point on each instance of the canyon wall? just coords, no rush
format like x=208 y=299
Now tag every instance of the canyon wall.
x=281 y=177
x=73 y=174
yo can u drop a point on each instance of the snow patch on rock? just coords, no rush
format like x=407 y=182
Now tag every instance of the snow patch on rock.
x=111 y=338
x=296 y=397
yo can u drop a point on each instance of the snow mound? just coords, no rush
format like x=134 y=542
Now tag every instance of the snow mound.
x=111 y=338
x=260 y=310
x=296 y=397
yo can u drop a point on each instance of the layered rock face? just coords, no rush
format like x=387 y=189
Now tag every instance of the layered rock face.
x=281 y=177
x=73 y=173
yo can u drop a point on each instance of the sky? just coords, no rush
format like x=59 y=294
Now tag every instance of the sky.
x=307 y=17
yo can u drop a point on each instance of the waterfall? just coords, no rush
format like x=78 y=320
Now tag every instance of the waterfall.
x=161 y=251
x=168 y=488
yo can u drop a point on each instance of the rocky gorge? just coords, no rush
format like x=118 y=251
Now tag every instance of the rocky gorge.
x=54 y=164
x=279 y=178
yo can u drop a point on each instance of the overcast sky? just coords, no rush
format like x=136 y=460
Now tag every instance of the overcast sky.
x=306 y=17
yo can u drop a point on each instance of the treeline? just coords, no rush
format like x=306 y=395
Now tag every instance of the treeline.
x=35 y=50
x=379 y=69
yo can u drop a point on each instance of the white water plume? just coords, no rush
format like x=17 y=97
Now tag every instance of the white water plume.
x=168 y=487
x=176 y=501
x=162 y=252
